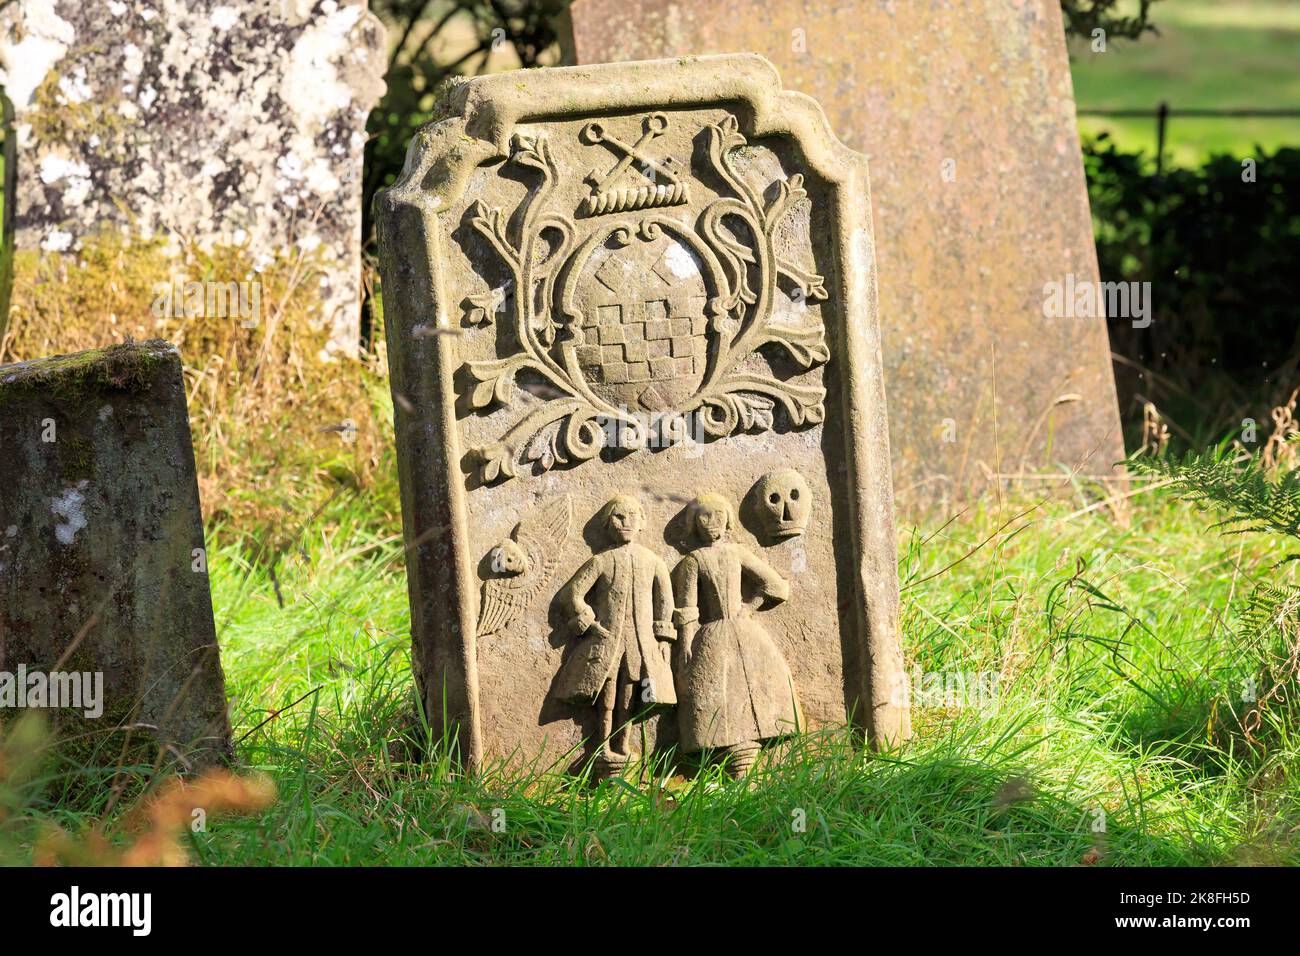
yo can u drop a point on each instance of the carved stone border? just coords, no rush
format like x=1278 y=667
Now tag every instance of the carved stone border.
x=480 y=115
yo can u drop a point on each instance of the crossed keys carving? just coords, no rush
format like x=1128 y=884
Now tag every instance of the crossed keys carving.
x=604 y=198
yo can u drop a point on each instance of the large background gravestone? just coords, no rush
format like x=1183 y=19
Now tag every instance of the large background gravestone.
x=220 y=121
x=965 y=111
x=699 y=334
x=102 y=561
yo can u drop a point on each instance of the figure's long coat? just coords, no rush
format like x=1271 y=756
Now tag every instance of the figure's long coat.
x=628 y=594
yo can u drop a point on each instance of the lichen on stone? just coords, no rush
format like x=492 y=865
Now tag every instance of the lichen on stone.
x=236 y=124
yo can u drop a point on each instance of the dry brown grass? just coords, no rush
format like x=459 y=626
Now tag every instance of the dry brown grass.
x=1282 y=450
x=149 y=832
x=155 y=827
x=276 y=428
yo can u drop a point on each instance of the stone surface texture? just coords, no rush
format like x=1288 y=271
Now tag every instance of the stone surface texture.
x=965 y=111
x=101 y=545
x=236 y=122
x=622 y=302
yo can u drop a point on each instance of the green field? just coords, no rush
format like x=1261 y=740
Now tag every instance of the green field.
x=1209 y=54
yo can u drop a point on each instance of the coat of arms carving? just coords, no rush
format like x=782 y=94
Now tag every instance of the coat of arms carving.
x=637 y=319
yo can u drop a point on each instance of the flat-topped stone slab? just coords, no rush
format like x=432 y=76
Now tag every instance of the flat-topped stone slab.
x=102 y=563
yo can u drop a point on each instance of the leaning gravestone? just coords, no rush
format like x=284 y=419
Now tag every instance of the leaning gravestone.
x=105 y=614
x=221 y=122
x=640 y=416
x=965 y=111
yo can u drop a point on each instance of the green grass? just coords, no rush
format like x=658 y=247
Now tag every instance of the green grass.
x=1114 y=646
x=1217 y=54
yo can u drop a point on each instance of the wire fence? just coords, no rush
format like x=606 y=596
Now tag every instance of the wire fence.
x=1163 y=112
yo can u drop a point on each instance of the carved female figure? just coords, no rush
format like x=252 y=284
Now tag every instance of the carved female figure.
x=734 y=688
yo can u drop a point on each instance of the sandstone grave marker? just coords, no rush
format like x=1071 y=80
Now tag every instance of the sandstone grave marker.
x=965 y=111
x=640 y=416
x=102 y=561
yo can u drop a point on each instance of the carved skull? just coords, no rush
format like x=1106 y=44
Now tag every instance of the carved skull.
x=784 y=503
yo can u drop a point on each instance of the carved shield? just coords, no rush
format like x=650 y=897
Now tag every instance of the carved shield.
x=641 y=342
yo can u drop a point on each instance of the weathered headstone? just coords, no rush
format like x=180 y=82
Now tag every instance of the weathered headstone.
x=965 y=111
x=105 y=614
x=240 y=123
x=640 y=415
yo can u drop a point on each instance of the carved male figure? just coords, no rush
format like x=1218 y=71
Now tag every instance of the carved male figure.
x=620 y=604
x=734 y=686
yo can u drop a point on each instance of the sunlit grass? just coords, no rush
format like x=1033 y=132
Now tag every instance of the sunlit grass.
x=1111 y=643
x=1111 y=636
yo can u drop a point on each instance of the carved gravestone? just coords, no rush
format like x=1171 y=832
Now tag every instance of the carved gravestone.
x=103 y=574
x=640 y=416
x=225 y=122
x=966 y=113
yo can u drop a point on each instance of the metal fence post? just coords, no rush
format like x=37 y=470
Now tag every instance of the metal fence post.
x=1162 y=117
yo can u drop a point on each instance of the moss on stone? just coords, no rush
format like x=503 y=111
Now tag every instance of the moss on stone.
x=243 y=384
x=77 y=460
x=127 y=366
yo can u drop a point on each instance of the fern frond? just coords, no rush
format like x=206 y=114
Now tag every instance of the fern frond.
x=1254 y=499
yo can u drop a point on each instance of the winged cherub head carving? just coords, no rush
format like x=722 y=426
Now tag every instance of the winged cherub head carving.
x=509 y=559
x=520 y=566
